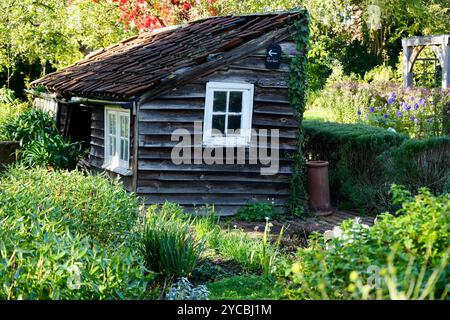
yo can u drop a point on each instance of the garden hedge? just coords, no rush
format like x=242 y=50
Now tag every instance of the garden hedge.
x=365 y=161
x=420 y=163
x=356 y=177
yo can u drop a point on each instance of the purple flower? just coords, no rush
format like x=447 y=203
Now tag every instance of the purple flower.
x=416 y=120
x=416 y=106
x=421 y=102
x=372 y=109
x=391 y=100
x=412 y=98
x=407 y=107
x=412 y=118
x=359 y=112
x=398 y=113
x=379 y=108
x=430 y=120
x=386 y=116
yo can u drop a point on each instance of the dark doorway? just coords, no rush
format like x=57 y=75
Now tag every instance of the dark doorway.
x=79 y=125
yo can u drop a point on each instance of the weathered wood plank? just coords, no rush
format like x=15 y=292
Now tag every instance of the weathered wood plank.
x=212 y=176
x=218 y=200
x=166 y=165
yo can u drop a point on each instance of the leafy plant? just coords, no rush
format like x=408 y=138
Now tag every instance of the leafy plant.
x=257 y=212
x=42 y=145
x=66 y=235
x=52 y=150
x=30 y=125
x=171 y=246
x=299 y=32
x=398 y=254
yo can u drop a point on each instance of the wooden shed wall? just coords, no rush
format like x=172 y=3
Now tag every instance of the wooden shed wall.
x=228 y=187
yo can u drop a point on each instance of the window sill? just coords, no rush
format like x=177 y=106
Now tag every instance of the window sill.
x=119 y=170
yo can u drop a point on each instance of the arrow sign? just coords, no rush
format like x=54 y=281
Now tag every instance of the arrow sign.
x=273 y=55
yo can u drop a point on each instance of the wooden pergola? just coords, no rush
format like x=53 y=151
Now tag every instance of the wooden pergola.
x=440 y=44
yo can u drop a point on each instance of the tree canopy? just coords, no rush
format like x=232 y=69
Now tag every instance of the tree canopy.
x=38 y=36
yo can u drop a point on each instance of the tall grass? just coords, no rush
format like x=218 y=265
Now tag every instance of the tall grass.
x=171 y=246
x=251 y=253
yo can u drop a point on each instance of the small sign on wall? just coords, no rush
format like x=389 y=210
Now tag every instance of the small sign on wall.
x=273 y=56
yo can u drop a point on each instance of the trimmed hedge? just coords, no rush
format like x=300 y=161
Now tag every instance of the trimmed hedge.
x=420 y=163
x=356 y=177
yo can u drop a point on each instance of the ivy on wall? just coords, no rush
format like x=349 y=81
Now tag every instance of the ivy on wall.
x=299 y=31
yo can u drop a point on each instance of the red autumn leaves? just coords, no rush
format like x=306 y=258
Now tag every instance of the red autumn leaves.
x=150 y=14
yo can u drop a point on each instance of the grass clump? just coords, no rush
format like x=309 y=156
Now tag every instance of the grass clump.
x=171 y=246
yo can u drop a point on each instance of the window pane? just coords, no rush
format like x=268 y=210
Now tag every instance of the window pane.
x=220 y=101
x=218 y=123
x=112 y=123
x=235 y=101
x=234 y=122
x=112 y=146
x=124 y=150
x=124 y=126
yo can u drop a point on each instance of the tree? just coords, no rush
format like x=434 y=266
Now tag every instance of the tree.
x=52 y=34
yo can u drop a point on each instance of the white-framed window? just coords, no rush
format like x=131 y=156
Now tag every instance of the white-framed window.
x=117 y=138
x=228 y=114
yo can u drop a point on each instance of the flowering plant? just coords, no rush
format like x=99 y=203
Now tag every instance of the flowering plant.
x=417 y=112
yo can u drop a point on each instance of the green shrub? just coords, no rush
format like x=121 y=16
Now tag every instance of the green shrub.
x=64 y=235
x=29 y=126
x=400 y=256
x=356 y=178
x=10 y=108
x=42 y=145
x=419 y=163
x=257 y=212
x=171 y=246
x=52 y=151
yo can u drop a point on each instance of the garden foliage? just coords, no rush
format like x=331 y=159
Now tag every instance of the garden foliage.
x=64 y=235
x=400 y=257
x=257 y=211
x=41 y=142
x=418 y=112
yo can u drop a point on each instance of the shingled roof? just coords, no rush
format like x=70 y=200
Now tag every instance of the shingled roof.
x=137 y=65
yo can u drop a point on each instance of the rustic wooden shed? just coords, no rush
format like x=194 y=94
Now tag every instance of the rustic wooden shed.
x=124 y=102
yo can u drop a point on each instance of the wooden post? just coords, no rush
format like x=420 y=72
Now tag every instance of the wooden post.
x=445 y=62
x=407 y=75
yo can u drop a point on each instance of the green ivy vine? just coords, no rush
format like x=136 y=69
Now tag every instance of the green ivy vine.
x=299 y=32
